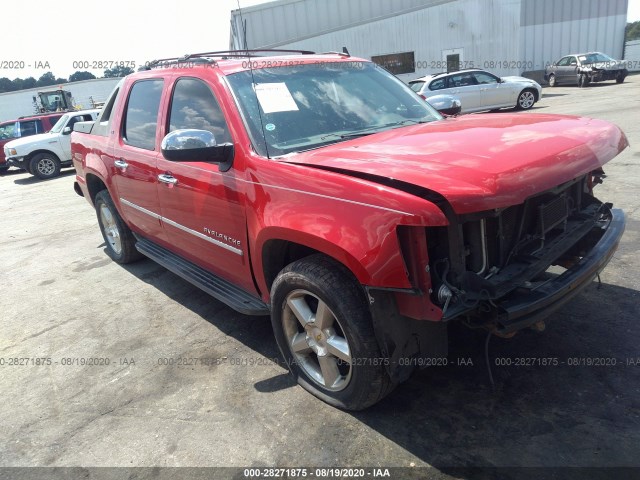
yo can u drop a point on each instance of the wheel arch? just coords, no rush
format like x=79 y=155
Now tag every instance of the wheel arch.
x=29 y=156
x=280 y=250
x=529 y=89
x=95 y=185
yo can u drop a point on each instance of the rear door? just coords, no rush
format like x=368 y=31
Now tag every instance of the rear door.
x=203 y=209
x=134 y=156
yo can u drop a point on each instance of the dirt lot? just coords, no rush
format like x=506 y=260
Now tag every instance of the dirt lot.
x=64 y=300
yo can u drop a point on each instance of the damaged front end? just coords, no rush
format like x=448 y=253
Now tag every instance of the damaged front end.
x=596 y=73
x=509 y=268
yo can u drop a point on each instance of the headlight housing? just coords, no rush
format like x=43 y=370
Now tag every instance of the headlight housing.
x=11 y=151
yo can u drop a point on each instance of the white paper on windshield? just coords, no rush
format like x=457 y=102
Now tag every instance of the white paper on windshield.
x=275 y=97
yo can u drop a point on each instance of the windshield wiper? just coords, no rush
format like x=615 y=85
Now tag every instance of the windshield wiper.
x=370 y=131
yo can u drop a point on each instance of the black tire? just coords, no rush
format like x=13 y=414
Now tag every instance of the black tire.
x=44 y=166
x=620 y=79
x=313 y=283
x=526 y=100
x=552 y=81
x=583 y=80
x=117 y=236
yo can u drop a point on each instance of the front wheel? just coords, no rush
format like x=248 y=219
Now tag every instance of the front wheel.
x=323 y=328
x=117 y=235
x=552 y=81
x=45 y=166
x=583 y=80
x=526 y=99
x=620 y=79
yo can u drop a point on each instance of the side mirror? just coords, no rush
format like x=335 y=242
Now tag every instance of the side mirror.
x=66 y=131
x=191 y=145
x=446 y=104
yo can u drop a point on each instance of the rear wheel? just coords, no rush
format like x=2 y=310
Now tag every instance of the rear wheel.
x=552 y=81
x=620 y=79
x=526 y=100
x=323 y=328
x=44 y=165
x=117 y=235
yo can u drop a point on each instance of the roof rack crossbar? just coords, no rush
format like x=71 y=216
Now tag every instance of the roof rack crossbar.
x=203 y=57
x=223 y=53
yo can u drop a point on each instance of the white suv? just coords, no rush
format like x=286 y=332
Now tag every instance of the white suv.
x=479 y=90
x=45 y=154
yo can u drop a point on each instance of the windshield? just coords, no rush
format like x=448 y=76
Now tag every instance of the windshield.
x=308 y=106
x=59 y=124
x=595 y=58
x=7 y=130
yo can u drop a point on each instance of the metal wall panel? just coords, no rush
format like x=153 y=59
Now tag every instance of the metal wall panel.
x=290 y=20
x=632 y=55
x=546 y=43
x=504 y=36
x=485 y=31
x=553 y=28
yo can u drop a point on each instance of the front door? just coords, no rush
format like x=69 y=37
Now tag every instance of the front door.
x=494 y=93
x=464 y=86
x=202 y=208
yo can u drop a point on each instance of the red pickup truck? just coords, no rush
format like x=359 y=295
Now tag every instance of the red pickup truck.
x=320 y=190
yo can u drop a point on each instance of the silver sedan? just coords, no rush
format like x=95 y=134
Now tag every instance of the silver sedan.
x=479 y=90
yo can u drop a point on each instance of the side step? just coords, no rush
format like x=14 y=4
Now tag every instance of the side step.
x=215 y=286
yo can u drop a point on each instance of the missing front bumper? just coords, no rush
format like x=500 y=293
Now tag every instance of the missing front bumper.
x=524 y=308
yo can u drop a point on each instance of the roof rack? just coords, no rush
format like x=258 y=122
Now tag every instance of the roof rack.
x=208 y=57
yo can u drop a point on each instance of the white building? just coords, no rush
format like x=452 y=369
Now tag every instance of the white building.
x=20 y=103
x=632 y=55
x=415 y=37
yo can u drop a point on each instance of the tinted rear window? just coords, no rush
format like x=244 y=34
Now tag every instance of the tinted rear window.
x=141 y=116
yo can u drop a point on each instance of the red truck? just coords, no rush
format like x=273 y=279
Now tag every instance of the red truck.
x=322 y=191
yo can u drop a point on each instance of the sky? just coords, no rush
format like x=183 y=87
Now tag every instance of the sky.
x=80 y=34
x=85 y=32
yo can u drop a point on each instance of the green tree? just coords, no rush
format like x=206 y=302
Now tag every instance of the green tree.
x=6 y=85
x=29 y=82
x=46 y=80
x=77 y=76
x=632 y=32
x=117 y=72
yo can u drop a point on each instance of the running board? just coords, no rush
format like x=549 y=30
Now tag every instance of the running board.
x=215 y=286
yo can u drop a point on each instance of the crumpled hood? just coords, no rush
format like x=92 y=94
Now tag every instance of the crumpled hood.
x=478 y=162
x=40 y=138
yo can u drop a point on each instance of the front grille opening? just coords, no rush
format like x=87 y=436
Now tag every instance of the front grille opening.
x=487 y=254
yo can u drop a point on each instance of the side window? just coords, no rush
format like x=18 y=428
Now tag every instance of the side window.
x=484 y=78
x=461 y=80
x=141 y=116
x=438 y=84
x=74 y=120
x=573 y=61
x=563 y=62
x=28 y=128
x=8 y=130
x=194 y=106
